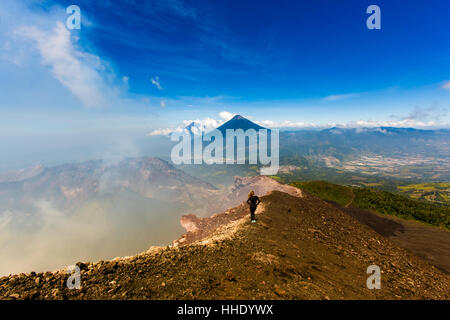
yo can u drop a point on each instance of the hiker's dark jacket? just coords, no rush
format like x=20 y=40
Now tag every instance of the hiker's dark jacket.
x=253 y=201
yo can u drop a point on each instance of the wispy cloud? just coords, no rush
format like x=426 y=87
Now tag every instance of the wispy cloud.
x=336 y=97
x=178 y=7
x=75 y=69
x=446 y=85
x=431 y=113
x=157 y=21
x=155 y=81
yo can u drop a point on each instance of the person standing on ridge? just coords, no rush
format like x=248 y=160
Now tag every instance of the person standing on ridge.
x=253 y=202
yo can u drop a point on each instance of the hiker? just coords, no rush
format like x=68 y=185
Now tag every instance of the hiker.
x=253 y=202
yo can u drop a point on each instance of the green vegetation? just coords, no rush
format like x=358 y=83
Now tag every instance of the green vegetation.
x=426 y=186
x=276 y=178
x=322 y=189
x=342 y=178
x=436 y=192
x=401 y=206
x=380 y=201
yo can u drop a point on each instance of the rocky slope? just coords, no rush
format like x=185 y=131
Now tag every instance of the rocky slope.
x=198 y=228
x=70 y=185
x=300 y=248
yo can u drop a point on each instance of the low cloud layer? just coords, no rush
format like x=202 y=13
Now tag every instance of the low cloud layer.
x=417 y=118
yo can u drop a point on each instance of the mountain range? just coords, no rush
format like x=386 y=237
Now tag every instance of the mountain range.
x=351 y=143
x=347 y=142
x=69 y=184
x=400 y=155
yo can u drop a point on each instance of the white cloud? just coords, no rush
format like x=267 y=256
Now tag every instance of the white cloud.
x=203 y=124
x=76 y=70
x=286 y=124
x=155 y=81
x=198 y=125
x=161 y=132
x=405 y=123
x=225 y=115
x=210 y=123
x=336 y=97
x=446 y=85
x=401 y=123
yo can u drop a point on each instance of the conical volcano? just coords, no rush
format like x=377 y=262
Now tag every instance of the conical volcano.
x=239 y=122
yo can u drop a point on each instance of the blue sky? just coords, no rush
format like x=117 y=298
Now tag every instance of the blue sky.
x=139 y=66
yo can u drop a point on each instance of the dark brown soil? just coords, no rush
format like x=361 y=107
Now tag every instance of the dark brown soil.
x=431 y=243
x=381 y=224
x=300 y=248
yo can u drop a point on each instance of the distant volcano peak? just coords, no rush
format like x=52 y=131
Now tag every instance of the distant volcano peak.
x=239 y=122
